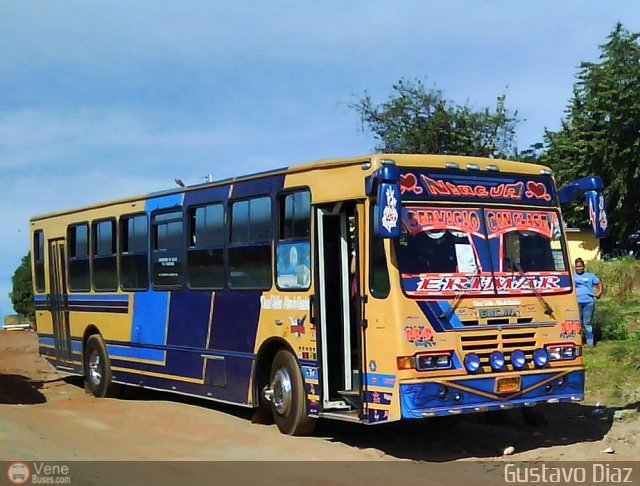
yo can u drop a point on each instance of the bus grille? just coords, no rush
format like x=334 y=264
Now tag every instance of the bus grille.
x=483 y=344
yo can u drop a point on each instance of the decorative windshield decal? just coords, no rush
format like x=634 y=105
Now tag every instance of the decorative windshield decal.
x=502 y=220
x=477 y=187
x=486 y=284
x=418 y=219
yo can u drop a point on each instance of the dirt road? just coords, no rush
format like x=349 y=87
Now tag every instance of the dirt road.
x=46 y=416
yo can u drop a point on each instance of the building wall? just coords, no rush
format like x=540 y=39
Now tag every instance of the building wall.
x=582 y=244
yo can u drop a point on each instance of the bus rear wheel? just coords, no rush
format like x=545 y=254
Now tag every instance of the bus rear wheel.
x=97 y=368
x=288 y=401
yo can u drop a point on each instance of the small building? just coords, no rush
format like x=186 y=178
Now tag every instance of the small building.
x=582 y=244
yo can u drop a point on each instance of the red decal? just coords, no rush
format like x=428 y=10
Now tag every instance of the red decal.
x=467 y=220
x=537 y=190
x=409 y=183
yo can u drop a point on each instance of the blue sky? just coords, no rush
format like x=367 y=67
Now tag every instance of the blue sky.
x=100 y=100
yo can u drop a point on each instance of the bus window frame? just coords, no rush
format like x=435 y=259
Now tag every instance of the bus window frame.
x=229 y=245
x=71 y=260
x=39 y=260
x=280 y=197
x=121 y=220
x=94 y=252
x=151 y=235
x=188 y=248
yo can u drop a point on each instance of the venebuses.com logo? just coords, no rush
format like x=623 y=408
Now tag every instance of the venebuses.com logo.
x=18 y=473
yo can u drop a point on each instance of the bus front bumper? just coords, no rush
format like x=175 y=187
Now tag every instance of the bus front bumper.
x=471 y=394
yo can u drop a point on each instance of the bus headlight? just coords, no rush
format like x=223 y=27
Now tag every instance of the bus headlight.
x=559 y=352
x=433 y=361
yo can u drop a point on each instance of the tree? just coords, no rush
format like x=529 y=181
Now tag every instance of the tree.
x=600 y=133
x=417 y=120
x=22 y=291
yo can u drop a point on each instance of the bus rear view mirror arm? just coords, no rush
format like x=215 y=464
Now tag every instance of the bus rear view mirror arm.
x=593 y=190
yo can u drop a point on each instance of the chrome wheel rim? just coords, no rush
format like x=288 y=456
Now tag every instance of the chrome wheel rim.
x=95 y=372
x=281 y=386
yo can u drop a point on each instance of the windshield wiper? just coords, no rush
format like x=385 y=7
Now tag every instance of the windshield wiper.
x=461 y=293
x=547 y=308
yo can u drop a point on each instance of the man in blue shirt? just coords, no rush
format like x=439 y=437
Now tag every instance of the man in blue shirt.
x=588 y=288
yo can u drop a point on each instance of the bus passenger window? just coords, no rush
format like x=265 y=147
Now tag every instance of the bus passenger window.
x=250 y=244
x=134 y=253
x=293 y=251
x=38 y=258
x=78 y=253
x=105 y=276
x=205 y=263
x=167 y=250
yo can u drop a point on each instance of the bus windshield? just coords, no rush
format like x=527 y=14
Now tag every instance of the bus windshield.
x=445 y=250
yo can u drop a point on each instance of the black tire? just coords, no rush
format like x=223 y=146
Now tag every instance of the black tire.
x=97 y=368
x=289 y=408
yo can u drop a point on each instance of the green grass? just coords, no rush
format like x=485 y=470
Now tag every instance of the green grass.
x=613 y=373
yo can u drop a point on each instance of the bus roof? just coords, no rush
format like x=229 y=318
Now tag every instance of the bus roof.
x=402 y=160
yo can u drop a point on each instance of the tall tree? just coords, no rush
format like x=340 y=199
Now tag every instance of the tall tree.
x=417 y=120
x=600 y=133
x=22 y=291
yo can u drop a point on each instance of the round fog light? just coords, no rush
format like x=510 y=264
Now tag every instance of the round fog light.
x=496 y=360
x=472 y=362
x=540 y=357
x=518 y=359
x=457 y=397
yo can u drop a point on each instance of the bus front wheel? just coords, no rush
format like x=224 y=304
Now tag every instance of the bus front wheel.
x=288 y=401
x=97 y=368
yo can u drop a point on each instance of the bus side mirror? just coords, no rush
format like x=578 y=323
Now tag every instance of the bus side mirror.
x=597 y=213
x=387 y=210
x=592 y=188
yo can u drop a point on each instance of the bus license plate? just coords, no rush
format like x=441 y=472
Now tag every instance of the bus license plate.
x=508 y=384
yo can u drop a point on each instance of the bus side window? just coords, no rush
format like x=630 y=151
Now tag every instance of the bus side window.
x=293 y=250
x=167 y=248
x=250 y=244
x=38 y=258
x=105 y=268
x=205 y=255
x=134 y=253
x=379 y=284
x=78 y=254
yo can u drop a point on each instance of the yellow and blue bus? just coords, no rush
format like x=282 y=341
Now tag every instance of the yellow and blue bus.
x=367 y=289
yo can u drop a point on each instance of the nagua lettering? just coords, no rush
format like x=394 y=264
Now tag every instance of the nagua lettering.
x=445 y=188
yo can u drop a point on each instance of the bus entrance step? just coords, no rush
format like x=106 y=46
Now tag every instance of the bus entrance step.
x=352 y=397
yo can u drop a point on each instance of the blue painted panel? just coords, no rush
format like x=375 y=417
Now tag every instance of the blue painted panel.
x=235 y=320
x=189 y=318
x=212 y=194
x=135 y=352
x=269 y=185
x=150 y=314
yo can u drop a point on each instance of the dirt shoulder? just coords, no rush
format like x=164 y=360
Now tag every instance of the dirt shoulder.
x=47 y=416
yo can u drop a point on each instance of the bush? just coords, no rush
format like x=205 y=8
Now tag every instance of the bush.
x=609 y=321
x=621 y=277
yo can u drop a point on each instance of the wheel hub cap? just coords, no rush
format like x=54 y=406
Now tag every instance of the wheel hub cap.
x=95 y=373
x=281 y=386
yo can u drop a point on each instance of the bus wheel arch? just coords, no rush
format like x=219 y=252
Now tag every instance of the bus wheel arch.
x=97 y=365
